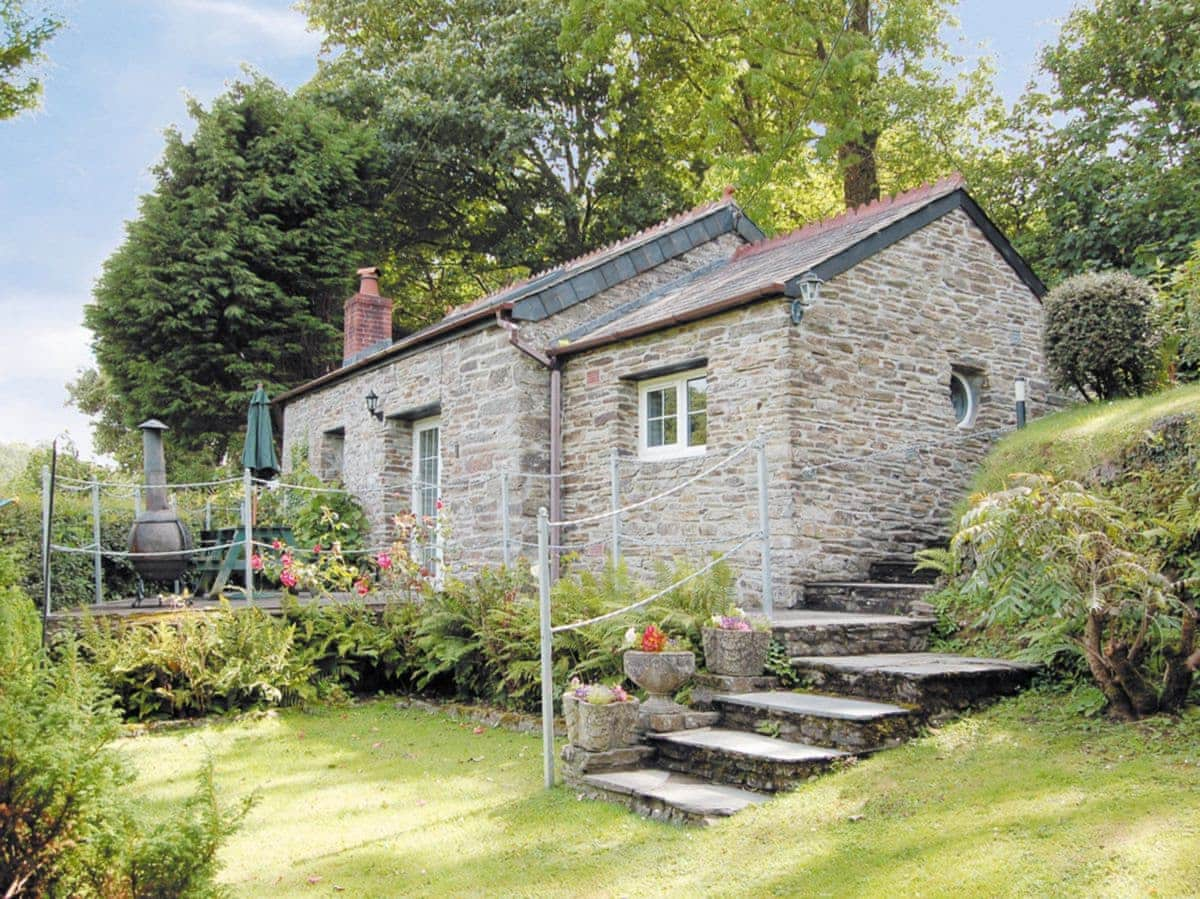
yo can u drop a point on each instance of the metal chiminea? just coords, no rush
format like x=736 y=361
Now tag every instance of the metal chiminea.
x=158 y=529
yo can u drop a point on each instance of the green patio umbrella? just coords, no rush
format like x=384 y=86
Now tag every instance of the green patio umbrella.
x=259 y=453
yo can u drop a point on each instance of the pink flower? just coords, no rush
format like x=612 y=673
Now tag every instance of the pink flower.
x=287 y=578
x=256 y=562
x=317 y=549
x=276 y=544
x=361 y=587
x=286 y=560
x=439 y=505
x=384 y=561
x=424 y=572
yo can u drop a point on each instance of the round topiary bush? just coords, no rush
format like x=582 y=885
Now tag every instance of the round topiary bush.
x=1100 y=336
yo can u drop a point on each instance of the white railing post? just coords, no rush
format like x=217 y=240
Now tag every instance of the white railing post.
x=547 y=636
x=208 y=515
x=137 y=500
x=98 y=573
x=505 y=537
x=45 y=546
x=614 y=475
x=248 y=528
x=764 y=525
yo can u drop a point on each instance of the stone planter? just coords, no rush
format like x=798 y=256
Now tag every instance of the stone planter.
x=660 y=674
x=600 y=728
x=735 y=653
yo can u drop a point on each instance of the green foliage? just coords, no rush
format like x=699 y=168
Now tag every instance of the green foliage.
x=1099 y=337
x=779 y=665
x=1101 y=164
x=1181 y=314
x=235 y=270
x=500 y=160
x=804 y=106
x=306 y=512
x=1068 y=572
x=22 y=37
x=198 y=663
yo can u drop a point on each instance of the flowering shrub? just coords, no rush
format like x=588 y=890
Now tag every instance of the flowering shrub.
x=598 y=694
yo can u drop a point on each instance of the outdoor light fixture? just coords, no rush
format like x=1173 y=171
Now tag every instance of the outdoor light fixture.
x=373 y=406
x=809 y=286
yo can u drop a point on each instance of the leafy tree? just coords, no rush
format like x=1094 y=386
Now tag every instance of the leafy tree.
x=796 y=102
x=1100 y=336
x=1068 y=568
x=235 y=269
x=500 y=160
x=22 y=37
x=1105 y=163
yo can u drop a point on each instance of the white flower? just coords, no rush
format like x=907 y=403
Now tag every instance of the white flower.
x=630 y=636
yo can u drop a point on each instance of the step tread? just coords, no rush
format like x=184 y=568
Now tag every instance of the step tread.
x=751 y=745
x=818 y=618
x=915 y=665
x=873 y=585
x=689 y=794
x=820 y=705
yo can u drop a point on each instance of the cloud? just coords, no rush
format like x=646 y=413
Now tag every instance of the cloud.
x=237 y=24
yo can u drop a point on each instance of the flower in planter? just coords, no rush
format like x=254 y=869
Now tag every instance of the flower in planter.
x=736 y=619
x=598 y=694
x=652 y=639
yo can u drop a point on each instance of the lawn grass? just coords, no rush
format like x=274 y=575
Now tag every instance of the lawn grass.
x=1071 y=443
x=1026 y=798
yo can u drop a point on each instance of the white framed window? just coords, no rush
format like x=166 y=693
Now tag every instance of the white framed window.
x=427 y=491
x=964 y=397
x=673 y=415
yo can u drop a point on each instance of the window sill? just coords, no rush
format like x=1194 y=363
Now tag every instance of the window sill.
x=666 y=453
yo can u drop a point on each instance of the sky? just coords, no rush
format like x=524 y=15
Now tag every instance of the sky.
x=119 y=74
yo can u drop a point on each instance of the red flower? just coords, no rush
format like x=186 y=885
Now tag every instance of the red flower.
x=438 y=505
x=256 y=562
x=286 y=560
x=287 y=578
x=276 y=544
x=424 y=572
x=317 y=549
x=384 y=561
x=361 y=587
x=653 y=640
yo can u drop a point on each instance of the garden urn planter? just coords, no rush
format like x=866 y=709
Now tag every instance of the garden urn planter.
x=660 y=674
x=600 y=728
x=734 y=652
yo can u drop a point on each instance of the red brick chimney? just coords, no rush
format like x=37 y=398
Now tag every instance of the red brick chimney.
x=368 y=317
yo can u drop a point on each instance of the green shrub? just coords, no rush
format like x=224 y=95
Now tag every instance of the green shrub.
x=195 y=663
x=1099 y=337
x=69 y=825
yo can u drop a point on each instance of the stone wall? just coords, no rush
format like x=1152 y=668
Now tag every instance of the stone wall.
x=866 y=459
x=494 y=406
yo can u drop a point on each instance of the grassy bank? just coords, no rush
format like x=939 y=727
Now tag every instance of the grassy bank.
x=1024 y=799
x=1071 y=443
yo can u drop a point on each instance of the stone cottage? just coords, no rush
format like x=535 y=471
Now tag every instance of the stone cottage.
x=876 y=353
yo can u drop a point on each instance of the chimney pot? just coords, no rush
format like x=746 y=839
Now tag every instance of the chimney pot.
x=368 y=281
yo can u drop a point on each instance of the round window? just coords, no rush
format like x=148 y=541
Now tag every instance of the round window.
x=962 y=398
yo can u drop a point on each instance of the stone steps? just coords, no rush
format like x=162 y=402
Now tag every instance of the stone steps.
x=874 y=598
x=737 y=757
x=851 y=725
x=934 y=682
x=668 y=795
x=808 y=632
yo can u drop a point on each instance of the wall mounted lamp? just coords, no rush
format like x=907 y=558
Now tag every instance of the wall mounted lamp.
x=809 y=294
x=373 y=406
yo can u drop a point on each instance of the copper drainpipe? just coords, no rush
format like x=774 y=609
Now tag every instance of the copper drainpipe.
x=555 y=367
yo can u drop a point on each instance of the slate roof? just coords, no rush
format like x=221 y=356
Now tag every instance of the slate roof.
x=544 y=294
x=774 y=267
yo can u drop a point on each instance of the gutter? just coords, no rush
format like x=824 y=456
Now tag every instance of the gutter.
x=555 y=367
x=773 y=289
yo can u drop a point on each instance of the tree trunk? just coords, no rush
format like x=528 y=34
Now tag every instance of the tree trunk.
x=860 y=171
x=1181 y=666
x=1093 y=636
